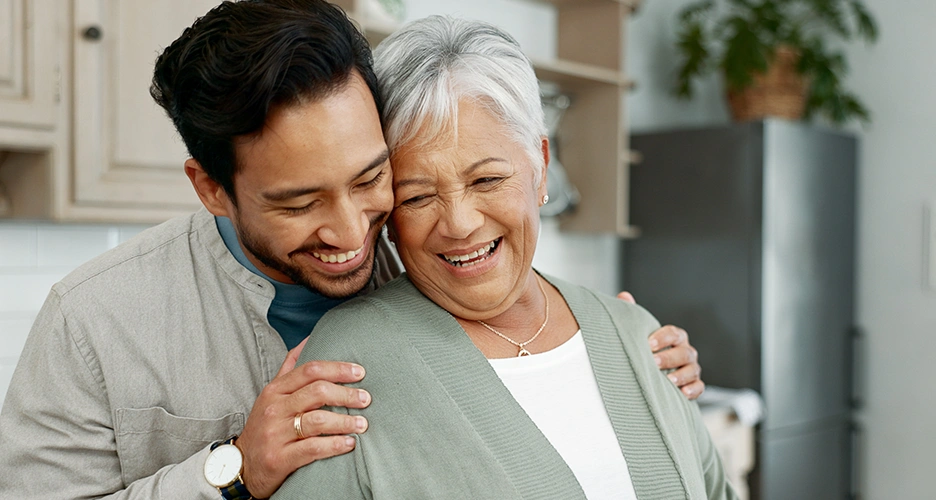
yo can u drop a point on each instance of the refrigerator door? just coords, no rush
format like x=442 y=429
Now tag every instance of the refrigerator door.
x=808 y=268
x=696 y=198
x=807 y=464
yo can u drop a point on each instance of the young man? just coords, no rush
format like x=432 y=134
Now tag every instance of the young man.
x=145 y=361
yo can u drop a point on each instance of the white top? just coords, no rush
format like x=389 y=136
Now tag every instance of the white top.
x=558 y=390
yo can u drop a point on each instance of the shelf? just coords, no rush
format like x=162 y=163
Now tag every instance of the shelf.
x=631 y=4
x=570 y=73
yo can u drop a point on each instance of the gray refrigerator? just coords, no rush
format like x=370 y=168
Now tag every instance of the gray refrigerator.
x=748 y=241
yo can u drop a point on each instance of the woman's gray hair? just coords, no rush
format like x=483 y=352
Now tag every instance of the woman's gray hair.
x=424 y=68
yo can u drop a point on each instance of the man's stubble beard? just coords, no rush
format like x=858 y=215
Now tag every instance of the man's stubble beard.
x=344 y=285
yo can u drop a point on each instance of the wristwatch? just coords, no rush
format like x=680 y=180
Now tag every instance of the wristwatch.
x=223 y=469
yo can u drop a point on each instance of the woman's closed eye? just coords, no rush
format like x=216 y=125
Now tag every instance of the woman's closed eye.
x=416 y=200
x=487 y=182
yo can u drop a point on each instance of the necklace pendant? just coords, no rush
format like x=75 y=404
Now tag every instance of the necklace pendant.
x=523 y=352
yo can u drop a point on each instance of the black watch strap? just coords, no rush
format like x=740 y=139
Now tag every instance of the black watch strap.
x=236 y=490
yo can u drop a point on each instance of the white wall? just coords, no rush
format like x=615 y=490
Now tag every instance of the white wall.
x=897 y=78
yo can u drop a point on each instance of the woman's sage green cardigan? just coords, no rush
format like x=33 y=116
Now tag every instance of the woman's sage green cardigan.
x=442 y=425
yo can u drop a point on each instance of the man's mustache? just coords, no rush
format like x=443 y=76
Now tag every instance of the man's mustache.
x=377 y=220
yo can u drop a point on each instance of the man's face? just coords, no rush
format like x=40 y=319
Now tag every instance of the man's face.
x=313 y=191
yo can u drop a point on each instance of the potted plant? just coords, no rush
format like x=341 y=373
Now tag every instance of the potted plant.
x=775 y=55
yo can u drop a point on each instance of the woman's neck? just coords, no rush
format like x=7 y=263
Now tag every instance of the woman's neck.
x=521 y=322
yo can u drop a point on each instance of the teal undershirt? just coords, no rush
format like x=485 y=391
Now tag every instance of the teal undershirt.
x=295 y=309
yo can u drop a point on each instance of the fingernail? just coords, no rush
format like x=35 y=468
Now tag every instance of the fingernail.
x=357 y=371
x=672 y=378
x=654 y=344
x=659 y=360
x=688 y=392
x=349 y=441
x=360 y=423
x=363 y=397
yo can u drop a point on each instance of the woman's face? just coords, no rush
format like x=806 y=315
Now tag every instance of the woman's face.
x=466 y=215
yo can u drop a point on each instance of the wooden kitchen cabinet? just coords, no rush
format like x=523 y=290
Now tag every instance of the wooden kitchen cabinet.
x=593 y=134
x=126 y=153
x=28 y=66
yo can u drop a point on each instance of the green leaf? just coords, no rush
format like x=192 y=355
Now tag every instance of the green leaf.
x=745 y=55
x=692 y=45
x=867 y=28
x=693 y=11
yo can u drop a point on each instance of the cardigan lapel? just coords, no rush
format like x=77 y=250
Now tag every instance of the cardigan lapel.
x=653 y=470
x=533 y=466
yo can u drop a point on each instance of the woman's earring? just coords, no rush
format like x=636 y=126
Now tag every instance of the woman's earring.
x=545 y=199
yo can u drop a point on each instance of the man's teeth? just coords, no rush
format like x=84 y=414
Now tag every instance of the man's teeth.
x=337 y=257
x=459 y=260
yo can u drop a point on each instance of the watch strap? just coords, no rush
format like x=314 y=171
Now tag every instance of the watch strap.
x=236 y=490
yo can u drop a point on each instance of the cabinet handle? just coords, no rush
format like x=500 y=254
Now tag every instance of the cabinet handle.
x=92 y=33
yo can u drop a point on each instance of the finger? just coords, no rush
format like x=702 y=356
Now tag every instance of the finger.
x=322 y=393
x=331 y=371
x=676 y=357
x=291 y=357
x=318 y=448
x=627 y=297
x=667 y=336
x=325 y=423
x=686 y=375
x=693 y=390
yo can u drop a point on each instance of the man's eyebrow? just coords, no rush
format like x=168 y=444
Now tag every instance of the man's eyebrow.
x=425 y=180
x=288 y=194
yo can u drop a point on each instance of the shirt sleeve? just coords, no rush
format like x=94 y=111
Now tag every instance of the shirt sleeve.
x=57 y=435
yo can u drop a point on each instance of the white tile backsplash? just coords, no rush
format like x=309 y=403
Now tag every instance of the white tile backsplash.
x=18 y=246
x=27 y=292
x=72 y=246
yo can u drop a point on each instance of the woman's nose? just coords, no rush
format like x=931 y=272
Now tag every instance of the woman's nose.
x=460 y=218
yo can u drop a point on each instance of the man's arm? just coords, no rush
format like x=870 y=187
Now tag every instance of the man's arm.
x=672 y=351
x=58 y=434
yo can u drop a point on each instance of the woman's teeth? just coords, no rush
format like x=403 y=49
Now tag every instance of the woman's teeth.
x=337 y=257
x=474 y=257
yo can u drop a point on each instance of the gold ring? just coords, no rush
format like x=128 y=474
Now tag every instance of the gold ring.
x=297 y=424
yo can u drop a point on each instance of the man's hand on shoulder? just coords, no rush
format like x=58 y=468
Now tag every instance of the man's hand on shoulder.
x=671 y=350
x=271 y=442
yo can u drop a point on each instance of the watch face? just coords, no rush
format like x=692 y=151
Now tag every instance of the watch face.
x=223 y=465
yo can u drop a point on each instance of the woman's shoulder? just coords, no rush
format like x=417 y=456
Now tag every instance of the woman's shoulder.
x=365 y=324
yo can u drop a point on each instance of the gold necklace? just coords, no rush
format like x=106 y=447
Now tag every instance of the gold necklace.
x=522 y=345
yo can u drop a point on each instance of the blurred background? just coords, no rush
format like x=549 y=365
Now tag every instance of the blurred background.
x=87 y=161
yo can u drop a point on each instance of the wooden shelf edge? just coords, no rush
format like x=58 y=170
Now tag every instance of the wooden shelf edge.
x=631 y=4
x=570 y=72
x=628 y=232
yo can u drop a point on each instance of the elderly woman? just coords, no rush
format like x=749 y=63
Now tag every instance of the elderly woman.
x=490 y=380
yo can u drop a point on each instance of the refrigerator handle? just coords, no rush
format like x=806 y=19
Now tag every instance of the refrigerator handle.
x=855 y=357
x=855 y=435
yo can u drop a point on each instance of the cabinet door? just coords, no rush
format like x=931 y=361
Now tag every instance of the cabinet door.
x=126 y=152
x=28 y=63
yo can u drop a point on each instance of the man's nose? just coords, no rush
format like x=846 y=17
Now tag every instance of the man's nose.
x=347 y=227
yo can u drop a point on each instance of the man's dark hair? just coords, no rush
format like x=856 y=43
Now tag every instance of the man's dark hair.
x=227 y=71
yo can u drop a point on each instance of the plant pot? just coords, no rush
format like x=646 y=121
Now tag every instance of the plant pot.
x=780 y=92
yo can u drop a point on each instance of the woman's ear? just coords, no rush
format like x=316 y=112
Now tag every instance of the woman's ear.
x=211 y=194
x=542 y=188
